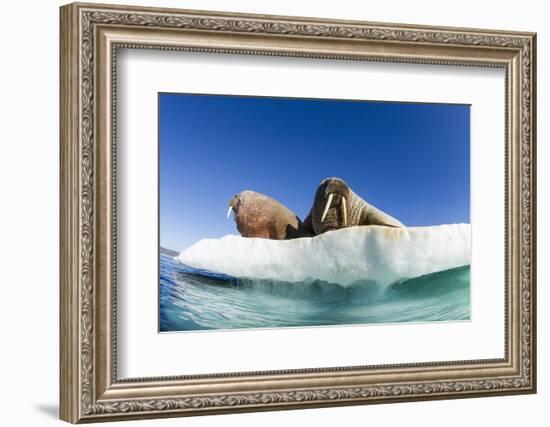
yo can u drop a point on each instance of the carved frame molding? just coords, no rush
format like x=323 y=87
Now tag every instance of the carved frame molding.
x=90 y=37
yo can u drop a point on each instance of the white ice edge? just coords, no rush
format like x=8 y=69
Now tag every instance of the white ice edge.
x=345 y=256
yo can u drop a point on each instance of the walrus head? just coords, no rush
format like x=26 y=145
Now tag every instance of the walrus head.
x=258 y=215
x=234 y=205
x=330 y=206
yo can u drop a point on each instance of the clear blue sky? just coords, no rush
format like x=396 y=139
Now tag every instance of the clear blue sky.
x=411 y=160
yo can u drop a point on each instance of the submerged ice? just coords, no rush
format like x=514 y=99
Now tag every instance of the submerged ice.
x=375 y=253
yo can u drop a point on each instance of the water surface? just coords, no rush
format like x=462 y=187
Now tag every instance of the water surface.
x=192 y=299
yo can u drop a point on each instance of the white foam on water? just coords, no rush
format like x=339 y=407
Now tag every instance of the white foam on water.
x=345 y=256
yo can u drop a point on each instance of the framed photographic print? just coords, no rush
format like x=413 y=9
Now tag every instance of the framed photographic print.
x=338 y=261
x=265 y=212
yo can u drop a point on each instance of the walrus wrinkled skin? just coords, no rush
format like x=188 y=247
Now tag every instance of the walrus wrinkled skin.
x=258 y=215
x=336 y=206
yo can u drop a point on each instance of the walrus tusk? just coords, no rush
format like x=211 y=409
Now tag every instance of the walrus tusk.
x=344 y=211
x=327 y=206
x=229 y=211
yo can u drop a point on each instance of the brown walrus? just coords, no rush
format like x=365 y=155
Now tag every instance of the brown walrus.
x=336 y=206
x=258 y=215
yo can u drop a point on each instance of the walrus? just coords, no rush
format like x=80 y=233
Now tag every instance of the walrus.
x=336 y=206
x=258 y=215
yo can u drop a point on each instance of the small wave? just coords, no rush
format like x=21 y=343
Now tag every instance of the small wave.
x=441 y=282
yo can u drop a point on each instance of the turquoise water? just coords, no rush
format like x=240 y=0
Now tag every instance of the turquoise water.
x=191 y=300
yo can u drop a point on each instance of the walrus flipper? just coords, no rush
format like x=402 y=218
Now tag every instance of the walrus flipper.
x=377 y=217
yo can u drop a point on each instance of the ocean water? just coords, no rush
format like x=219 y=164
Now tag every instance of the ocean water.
x=192 y=299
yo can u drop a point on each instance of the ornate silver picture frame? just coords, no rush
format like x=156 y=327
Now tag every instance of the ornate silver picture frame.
x=91 y=35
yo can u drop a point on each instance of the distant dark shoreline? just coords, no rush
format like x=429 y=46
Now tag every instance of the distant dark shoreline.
x=167 y=251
